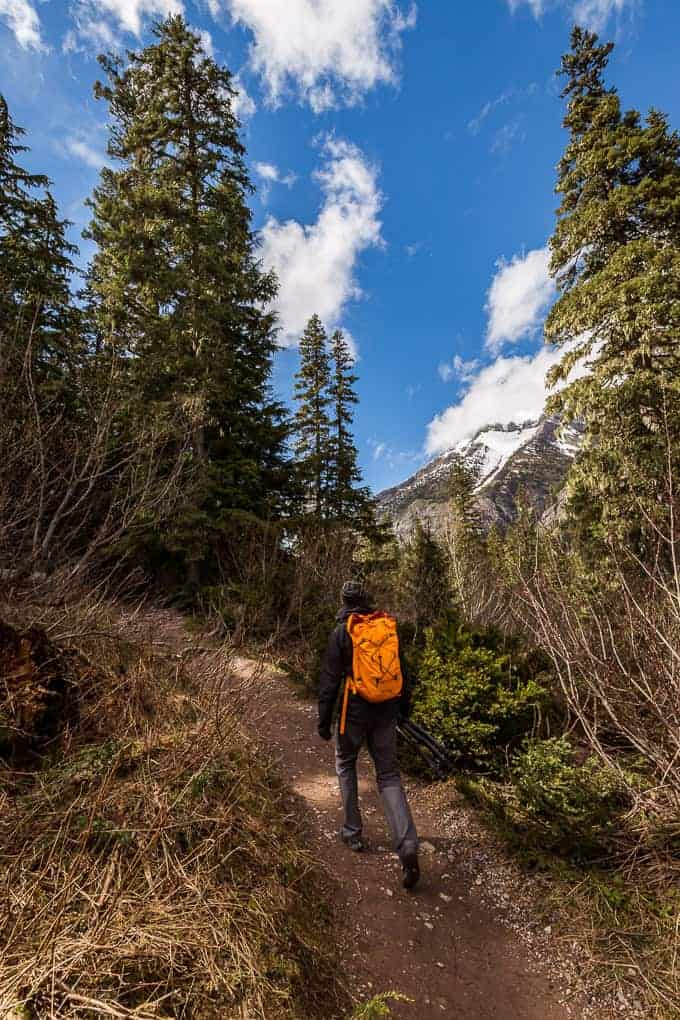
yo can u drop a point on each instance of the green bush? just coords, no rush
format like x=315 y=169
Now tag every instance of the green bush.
x=553 y=805
x=475 y=697
x=567 y=808
x=378 y=1006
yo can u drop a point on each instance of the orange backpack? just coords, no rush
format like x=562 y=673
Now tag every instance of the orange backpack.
x=376 y=669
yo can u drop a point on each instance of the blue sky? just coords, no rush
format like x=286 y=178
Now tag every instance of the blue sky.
x=404 y=156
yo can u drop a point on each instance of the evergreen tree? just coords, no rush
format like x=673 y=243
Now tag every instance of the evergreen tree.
x=465 y=514
x=348 y=500
x=616 y=259
x=312 y=422
x=38 y=323
x=425 y=579
x=516 y=554
x=464 y=535
x=176 y=287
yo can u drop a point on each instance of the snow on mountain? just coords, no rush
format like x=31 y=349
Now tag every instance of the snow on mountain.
x=569 y=439
x=494 y=446
x=531 y=458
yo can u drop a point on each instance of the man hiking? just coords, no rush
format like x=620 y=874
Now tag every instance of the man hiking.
x=364 y=662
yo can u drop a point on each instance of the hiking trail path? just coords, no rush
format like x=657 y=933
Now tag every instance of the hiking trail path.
x=453 y=946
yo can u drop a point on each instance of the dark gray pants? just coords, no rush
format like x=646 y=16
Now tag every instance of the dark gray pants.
x=381 y=738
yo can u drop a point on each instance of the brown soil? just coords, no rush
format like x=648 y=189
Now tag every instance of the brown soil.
x=443 y=946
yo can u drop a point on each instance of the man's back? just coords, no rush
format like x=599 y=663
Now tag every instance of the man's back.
x=363 y=659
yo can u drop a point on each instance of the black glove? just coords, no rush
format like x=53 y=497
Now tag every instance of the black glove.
x=324 y=732
x=404 y=707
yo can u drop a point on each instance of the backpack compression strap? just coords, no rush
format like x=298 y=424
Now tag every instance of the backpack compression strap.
x=343 y=714
x=349 y=681
x=345 y=699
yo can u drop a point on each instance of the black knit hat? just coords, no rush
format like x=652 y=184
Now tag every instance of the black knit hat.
x=354 y=594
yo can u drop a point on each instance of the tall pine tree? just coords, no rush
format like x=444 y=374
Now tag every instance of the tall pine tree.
x=464 y=535
x=348 y=500
x=424 y=579
x=312 y=422
x=176 y=287
x=465 y=515
x=616 y=259
x=39 y=329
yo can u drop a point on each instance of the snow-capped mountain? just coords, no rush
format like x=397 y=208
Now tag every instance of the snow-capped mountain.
x=530 y=458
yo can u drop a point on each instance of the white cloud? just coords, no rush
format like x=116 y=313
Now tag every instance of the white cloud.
x=394 y=460
x=592 y=14
x=130 y=13
x=242 y=104
x=475 y=125
x=85 y=152
x=507 y=135
x=316 y=263
x=24 y=22
x=206 y=41
x=98 y=20
x=90 y=28
x=267 y=170
x=272 y=174
x=536 y=6
x=596 y=13
x=508 y=390
x=326 y=50
x=518 y=297
x=457 y=368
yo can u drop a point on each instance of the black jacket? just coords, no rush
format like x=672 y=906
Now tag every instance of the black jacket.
x=337 y=665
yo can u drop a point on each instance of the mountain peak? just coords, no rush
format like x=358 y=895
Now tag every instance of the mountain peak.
x=511 y=426
x=531 y=457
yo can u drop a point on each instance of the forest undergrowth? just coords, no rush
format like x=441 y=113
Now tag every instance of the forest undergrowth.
x=152 y=863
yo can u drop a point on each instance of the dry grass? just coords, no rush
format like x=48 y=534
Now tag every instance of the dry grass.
x=153 y=867
x=628 y=927
x=622 y=915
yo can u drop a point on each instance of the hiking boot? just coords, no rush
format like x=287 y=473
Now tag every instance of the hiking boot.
x=411 y=870
x=355 y=843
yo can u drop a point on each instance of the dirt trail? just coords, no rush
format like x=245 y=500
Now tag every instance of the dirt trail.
x=441 y=947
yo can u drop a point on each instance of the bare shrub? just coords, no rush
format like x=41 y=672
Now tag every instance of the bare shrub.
x=617 y=656
x=612 y=630
x=284 y=581
x=72 y=480
x=320 y=557
x=323 y=558
x=472 y=580
x=152 y=870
